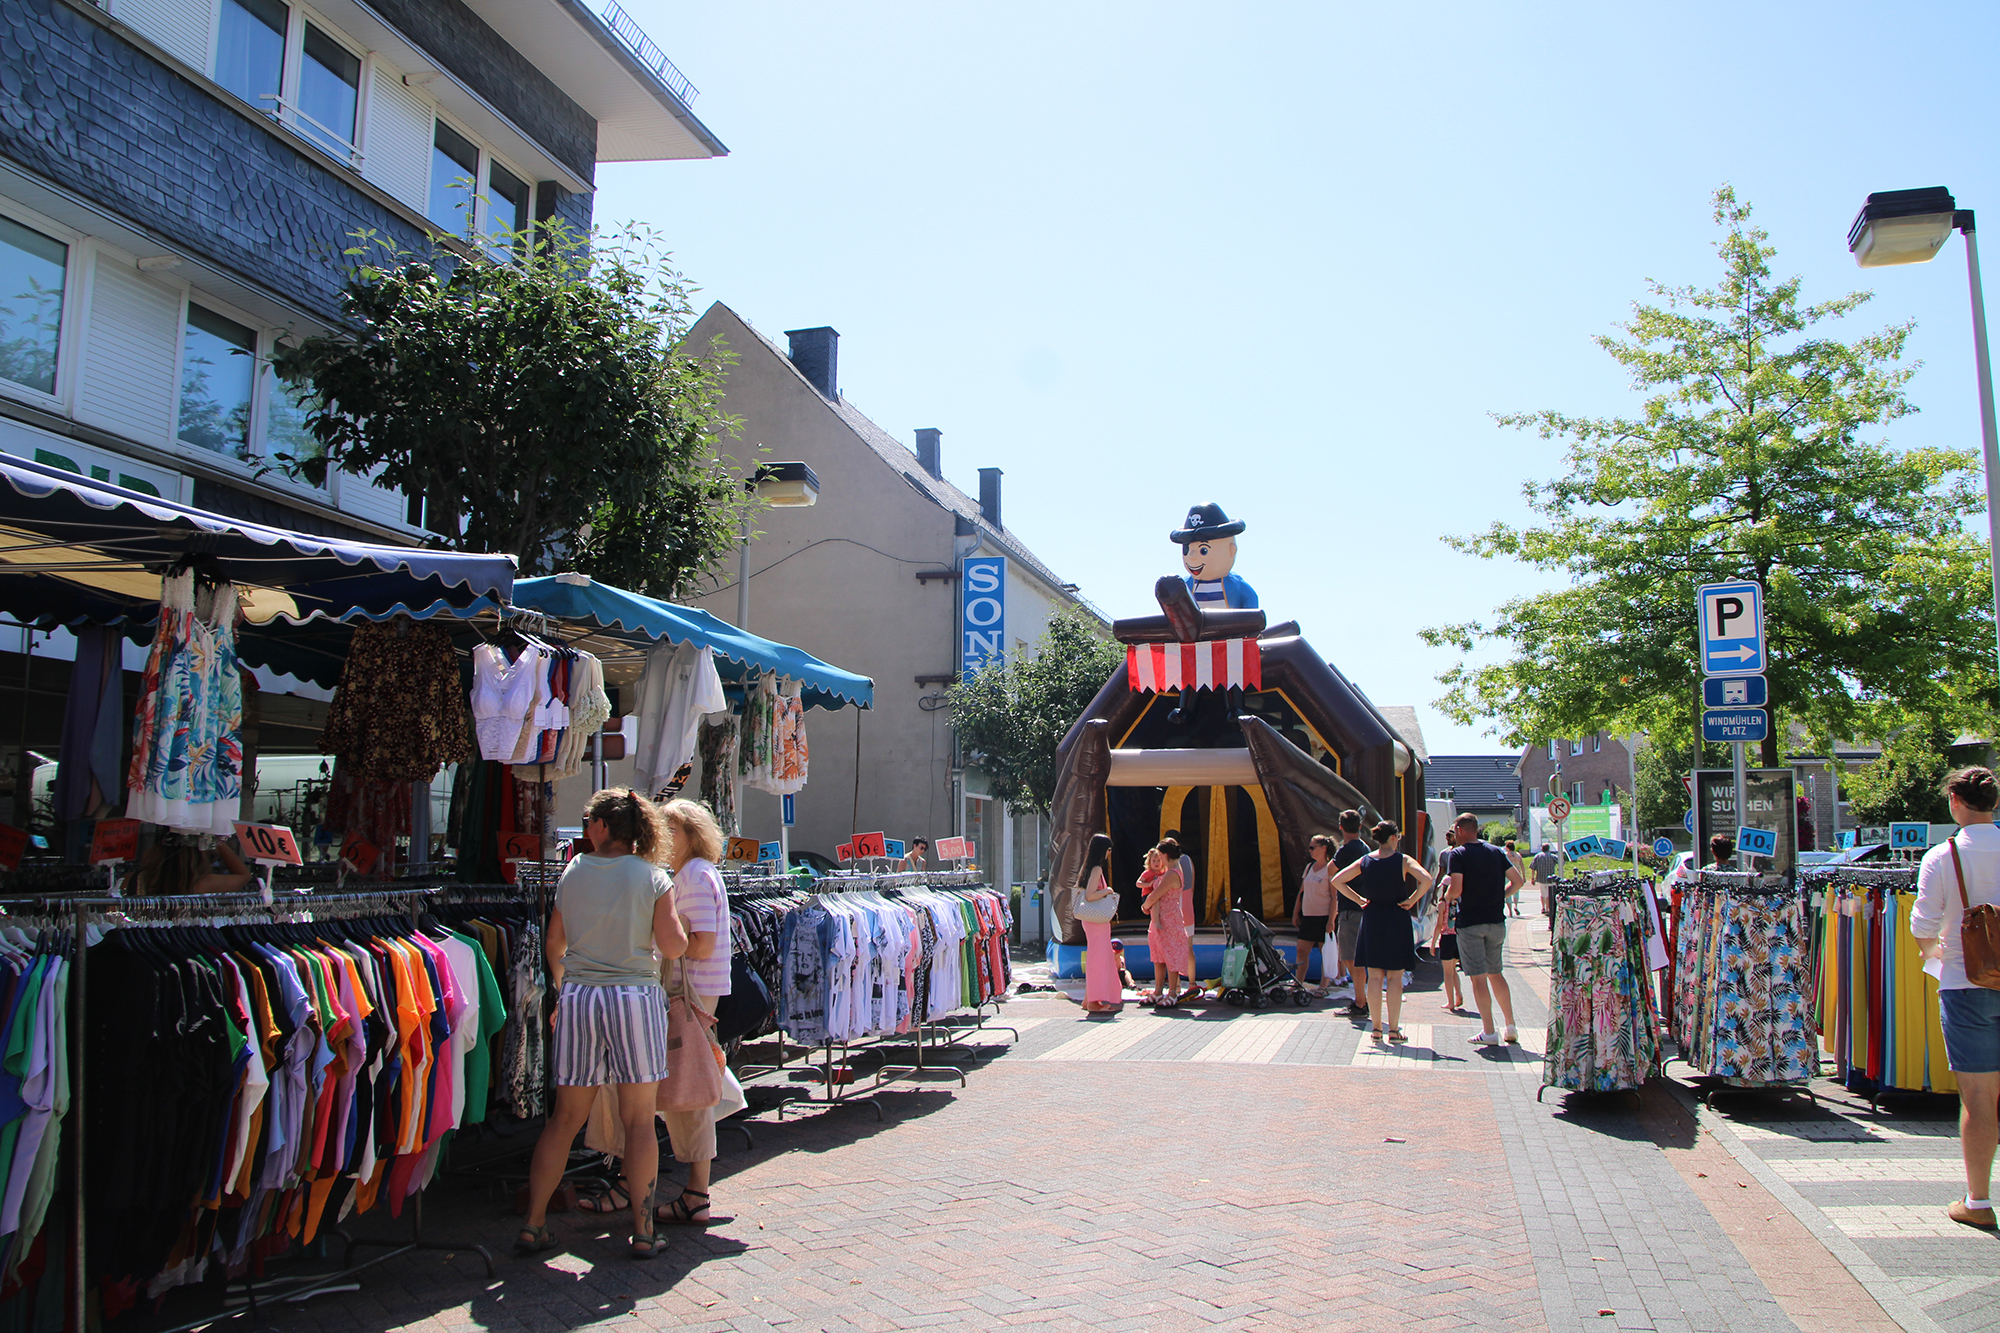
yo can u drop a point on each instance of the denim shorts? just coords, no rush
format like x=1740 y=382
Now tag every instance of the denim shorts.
x=1971 y=1029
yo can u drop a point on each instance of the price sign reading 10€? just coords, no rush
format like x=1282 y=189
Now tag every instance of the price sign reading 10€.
x=268 y=842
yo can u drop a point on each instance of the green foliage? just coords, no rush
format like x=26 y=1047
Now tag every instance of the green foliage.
x=1011 y=717
x=540 y=404
x=1746 y=458
x=1662 y=763
x=1499 y=831
x=1905 y=782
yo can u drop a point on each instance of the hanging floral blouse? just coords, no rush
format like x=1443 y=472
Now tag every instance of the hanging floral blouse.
x=187 y=756
x=399 y=714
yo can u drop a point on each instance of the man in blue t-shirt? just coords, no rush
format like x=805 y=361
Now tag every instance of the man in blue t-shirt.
x=1481 y=877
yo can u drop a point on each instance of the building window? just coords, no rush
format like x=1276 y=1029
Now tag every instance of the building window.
x=1597 y=743
x=1534 y=796
x=1576 y=793
x=274 y=58
x=32 y=269
x=507 y=201
x=1552 y=749
x=329 y=92
x=218 y=376
x=454 y=172
x=285 y=425
x=250 y=51
x=1576 y=747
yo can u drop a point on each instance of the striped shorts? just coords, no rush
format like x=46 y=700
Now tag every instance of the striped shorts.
x=610 y=1034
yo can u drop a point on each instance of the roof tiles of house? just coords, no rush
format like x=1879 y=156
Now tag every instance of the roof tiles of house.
x=1476 y=781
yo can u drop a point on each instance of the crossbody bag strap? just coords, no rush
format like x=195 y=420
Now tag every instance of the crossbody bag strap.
x=1958 y=868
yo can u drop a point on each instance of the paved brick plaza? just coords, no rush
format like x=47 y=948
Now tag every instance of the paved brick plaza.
x=1209 y=1169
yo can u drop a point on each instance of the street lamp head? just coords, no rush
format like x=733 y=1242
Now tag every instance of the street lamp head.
x=785 y=485
x=1903 y=226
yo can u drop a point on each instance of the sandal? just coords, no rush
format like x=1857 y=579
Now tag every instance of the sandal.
x=533 y=1240
x=1396 y=1035
x=1377 y=1036
x=678 y=1214
x=599 y=1200
x=655 y=1244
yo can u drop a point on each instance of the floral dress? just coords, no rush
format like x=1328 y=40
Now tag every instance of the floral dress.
x=187 y=758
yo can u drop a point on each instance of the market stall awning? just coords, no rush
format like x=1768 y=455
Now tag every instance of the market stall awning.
x=74 y=551
x=571 y=597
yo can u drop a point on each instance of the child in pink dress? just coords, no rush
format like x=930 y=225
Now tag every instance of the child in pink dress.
x=1167 y=936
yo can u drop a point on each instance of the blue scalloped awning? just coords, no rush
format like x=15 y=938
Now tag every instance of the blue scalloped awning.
x=74 y=550
x=634 y=615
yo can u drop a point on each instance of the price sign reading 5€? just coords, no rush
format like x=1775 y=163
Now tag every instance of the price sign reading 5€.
x=271 y=843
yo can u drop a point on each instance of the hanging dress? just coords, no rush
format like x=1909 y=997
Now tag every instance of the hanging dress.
x=187 y=756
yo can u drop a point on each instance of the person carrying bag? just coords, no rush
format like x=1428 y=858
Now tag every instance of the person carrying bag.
x=1957 y=916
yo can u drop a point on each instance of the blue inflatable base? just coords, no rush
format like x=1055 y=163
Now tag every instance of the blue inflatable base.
x=1066 y=960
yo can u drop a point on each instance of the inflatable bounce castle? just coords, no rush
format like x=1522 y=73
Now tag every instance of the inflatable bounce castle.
x=1235 y=735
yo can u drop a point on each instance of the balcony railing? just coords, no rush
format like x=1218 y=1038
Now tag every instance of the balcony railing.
x=651 y=56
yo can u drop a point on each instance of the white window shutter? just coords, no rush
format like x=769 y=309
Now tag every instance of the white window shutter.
x=397 y=155
x=361 y=497
x=182 y=28
x=131 y=358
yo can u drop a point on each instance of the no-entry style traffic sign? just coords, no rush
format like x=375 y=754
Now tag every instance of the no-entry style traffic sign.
x=1735 y=692
x=1732 y=628
x=1719 y=725
x=1558 y=809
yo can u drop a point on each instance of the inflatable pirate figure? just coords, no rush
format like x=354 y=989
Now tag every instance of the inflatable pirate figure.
x=1208 y=553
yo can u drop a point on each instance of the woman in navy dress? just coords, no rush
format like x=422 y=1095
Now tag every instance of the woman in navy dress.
x=1381 y=883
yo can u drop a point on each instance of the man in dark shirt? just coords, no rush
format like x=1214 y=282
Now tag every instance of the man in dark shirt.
x=1347 y=917
x=1481 y=878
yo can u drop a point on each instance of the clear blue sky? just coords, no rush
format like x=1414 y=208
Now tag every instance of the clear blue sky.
x=1289 y=257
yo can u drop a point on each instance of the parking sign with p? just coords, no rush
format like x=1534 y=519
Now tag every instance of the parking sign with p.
x=1732 y=628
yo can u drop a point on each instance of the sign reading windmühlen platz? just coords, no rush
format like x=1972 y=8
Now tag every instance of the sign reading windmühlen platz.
x=983 y=613
x=1771 y=798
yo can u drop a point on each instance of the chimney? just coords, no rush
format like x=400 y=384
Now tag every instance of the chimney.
x=989 y=495
x=816 y=352
x=928 y=452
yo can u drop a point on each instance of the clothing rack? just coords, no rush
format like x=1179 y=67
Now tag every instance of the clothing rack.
x=245 y=907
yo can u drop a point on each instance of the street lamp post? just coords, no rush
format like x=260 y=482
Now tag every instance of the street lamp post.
x=1910 y=227
x=782 y=486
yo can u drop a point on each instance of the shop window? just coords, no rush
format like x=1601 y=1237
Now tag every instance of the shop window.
x=32 y=271
x=218 y=377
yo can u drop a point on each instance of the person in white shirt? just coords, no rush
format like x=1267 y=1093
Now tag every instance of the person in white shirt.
x=1971 y=1012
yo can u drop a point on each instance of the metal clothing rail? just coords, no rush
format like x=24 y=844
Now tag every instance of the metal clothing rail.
x=246 y=908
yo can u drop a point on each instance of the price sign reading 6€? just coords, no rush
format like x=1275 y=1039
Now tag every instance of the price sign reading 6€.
x=269 y=842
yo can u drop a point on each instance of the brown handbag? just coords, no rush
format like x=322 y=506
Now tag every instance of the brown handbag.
x=694 y=1066
x=1978 y=934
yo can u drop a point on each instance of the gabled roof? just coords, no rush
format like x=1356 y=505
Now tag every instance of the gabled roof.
x=1476 y=781
x=1402 y=720
x=935 y=489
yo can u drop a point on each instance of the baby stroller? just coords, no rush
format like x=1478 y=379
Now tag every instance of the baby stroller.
x=1254 y=973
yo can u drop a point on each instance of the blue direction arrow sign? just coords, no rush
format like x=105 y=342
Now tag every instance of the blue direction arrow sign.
x=1757 y=841
x=1687 y=822
x=1735 y=692
x=1732 y=628
x=1663 y=846
x=1734 y=724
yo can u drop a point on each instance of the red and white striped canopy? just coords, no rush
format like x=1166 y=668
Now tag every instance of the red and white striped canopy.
x=1217 y=664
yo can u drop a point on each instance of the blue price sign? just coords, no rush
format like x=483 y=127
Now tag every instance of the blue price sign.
x=1578 y=848
x=1909 y=837
x=1663 y=846
x=1846 y=839
x=1757 y=841
x=893 y=846
x=1615 y=848
x=768 y=851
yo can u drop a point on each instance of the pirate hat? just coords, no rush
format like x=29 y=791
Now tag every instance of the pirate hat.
x=1206 y=523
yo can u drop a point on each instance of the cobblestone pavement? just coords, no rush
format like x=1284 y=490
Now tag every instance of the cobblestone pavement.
x=1213 y=1169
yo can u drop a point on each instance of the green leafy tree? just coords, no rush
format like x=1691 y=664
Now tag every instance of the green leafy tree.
x=1013 y=715
x=1745 y=458
x=1906 y=781
x=536 y=398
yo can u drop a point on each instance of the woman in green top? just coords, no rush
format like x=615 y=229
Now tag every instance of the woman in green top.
x=614 y=921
